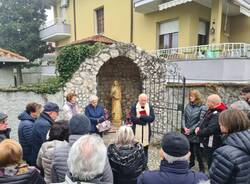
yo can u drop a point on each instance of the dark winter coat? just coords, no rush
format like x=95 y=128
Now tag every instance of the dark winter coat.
x=5 y=134
x=60 y=166
x=210 y=127
x=25 y=134
x=143 y=120
x=30 y=177
x=39 y=133
x=231 y=162
x=193 y=115
x=95 y=115
x=176 y=173
x=127 y=162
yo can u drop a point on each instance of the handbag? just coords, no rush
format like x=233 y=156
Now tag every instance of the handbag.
x=104 y=126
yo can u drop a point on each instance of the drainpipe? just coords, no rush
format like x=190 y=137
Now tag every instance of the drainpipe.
x=74 y=12
x=131 y=21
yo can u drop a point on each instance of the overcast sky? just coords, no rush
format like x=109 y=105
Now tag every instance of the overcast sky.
x=50 y=14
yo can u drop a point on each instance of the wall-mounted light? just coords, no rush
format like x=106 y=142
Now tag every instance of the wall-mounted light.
x=212 y=29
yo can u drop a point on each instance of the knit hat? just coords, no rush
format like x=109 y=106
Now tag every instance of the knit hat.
x=51 y=107
x=3 y=116
x=175 y=144
x=79 y=125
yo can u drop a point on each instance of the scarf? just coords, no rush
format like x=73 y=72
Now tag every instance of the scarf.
x=142 y=131
x=73 y=108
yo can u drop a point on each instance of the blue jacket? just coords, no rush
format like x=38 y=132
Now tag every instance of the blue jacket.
x=176 y=173
x=25 y=134
x=95 y=115
x=231 y=162
x=39 y=133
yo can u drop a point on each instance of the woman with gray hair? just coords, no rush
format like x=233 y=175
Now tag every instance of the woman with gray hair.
x=86 y=161
x=126 y=157
x=95 y=113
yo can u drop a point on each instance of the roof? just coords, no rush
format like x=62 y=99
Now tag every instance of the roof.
x=93 y=39
x=8 y=56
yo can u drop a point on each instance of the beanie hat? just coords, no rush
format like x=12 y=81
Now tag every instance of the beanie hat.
x=79 y=125
x=175 y=144
x=3 y=116
x=51 y=107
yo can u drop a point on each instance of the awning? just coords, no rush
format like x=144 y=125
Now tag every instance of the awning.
x=244 y=6
x=172 y=4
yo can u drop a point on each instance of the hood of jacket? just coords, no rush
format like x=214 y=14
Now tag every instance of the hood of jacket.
x=240 y=140
x=25 y=116
x=220 y=107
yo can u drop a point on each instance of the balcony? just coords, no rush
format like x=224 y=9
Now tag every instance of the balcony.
x=226 y=62
x=214 y=51
x=147 y=6
x=55 y=30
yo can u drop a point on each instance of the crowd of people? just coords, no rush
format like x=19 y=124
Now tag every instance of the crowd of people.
x=72 y=150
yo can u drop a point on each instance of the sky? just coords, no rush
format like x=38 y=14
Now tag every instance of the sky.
x=49 y=13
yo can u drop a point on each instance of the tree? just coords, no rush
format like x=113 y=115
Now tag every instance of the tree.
x=19 y=27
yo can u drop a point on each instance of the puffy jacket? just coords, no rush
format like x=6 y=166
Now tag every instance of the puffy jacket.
x=95 y=115
x=45 y=155
x=39 y=133
x=60 y=167
x=210 y=128
x=25 y=134
x=69 y=180
x=193 y=115
x=5 y=134
x=127 y=162
x=30 y=177
x=176 y=173
x=231 y=162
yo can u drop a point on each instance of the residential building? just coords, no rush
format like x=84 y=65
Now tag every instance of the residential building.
x=176 y=29
x=151 y=24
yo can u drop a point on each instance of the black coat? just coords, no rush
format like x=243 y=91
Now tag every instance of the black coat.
x=5 y=134
x=31 y=177
x=25 y=134
x=39 y=133
x=210 y=127
x=143 y=120
x=175 y=173
x=193 y=115
x=231 y=162
x=127 y=162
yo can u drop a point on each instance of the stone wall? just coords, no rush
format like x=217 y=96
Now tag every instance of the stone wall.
x=12 y=103
x=127 y=74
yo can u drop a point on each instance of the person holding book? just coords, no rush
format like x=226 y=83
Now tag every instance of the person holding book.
x=142 y=115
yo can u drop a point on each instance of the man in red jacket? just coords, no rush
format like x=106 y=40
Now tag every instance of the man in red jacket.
x=209 y=129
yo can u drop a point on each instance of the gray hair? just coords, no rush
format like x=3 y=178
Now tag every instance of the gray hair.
x=92 y=98
x=87 y=157
x=204 y=182
x=241 y=105
x=125 y=136
x=172 y=159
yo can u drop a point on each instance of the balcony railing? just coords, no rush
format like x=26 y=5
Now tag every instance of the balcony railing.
x=213 y=51
x=55 y=30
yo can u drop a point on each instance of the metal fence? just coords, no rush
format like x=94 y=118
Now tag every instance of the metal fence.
x=213 y=51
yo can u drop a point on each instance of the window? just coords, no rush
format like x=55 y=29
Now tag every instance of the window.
x=203 y=33
x=100 y=20
x=168 y=36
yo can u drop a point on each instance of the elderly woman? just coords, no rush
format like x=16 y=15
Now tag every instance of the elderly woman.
x=70 y=108
x=126 y=157
x=11 y=169
x=58 y=137
x=231 y=161
x=95 y=113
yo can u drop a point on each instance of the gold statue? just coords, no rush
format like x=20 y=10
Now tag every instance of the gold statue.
x=116 y=104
